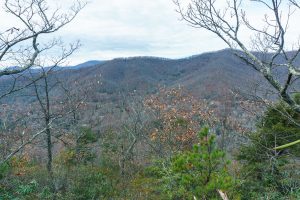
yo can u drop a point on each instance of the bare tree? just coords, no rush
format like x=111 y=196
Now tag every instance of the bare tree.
x=21 y=46
x=43 y=87
x=132 y=126
x=295 y=3
x=227 y=22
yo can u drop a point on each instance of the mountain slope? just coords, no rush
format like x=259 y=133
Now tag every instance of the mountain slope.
x=207 y=75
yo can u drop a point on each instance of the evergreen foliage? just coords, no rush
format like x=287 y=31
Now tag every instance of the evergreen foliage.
x=198 y=173
x=265 y=170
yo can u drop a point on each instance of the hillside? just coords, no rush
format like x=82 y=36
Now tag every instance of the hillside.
x=207 y=75
x=210 y=75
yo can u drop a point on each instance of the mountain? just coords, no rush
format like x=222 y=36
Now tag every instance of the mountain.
x=210 y=75
x=86 y=64
x=213 y=76
x=81 y=65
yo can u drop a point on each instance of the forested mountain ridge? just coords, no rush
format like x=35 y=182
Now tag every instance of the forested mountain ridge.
x=206 y=75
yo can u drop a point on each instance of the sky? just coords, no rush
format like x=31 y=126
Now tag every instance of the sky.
x=109 y=29
x=124 y=28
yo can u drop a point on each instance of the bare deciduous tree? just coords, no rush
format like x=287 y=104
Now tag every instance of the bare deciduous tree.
x=49 y=92
x=21 y=46
x=227 y=22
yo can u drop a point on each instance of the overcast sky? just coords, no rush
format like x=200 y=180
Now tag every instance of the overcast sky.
x=123 y=28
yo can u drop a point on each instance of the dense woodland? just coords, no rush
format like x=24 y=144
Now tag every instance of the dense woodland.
x=219 y=125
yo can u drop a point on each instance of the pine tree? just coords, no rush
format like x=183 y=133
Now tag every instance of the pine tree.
x=267 y=171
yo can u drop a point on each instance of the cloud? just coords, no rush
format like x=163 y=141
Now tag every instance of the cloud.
x=122 y=28
x=136 y=27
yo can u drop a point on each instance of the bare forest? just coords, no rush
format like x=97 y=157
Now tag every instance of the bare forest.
x=221 y=125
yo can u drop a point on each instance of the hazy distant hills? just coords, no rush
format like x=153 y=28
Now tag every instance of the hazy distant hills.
x=87 y=64
x=209 y=75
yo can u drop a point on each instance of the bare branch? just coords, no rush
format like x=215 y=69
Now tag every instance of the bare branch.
x=270 y=39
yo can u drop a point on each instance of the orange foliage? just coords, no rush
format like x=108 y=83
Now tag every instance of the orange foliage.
x=178 y=117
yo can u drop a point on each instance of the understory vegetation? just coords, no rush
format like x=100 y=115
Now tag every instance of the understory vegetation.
x=173 y=154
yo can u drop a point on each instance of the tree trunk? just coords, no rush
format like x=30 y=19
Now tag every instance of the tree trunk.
x=50 y=158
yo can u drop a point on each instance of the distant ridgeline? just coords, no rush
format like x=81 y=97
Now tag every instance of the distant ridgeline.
x=210 y=75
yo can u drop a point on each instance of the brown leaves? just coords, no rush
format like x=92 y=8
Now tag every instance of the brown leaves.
x=179 y=116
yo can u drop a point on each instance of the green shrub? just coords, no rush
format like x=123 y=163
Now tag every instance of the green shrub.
x=89 y=183
x=197 y=173
x=267 y=171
